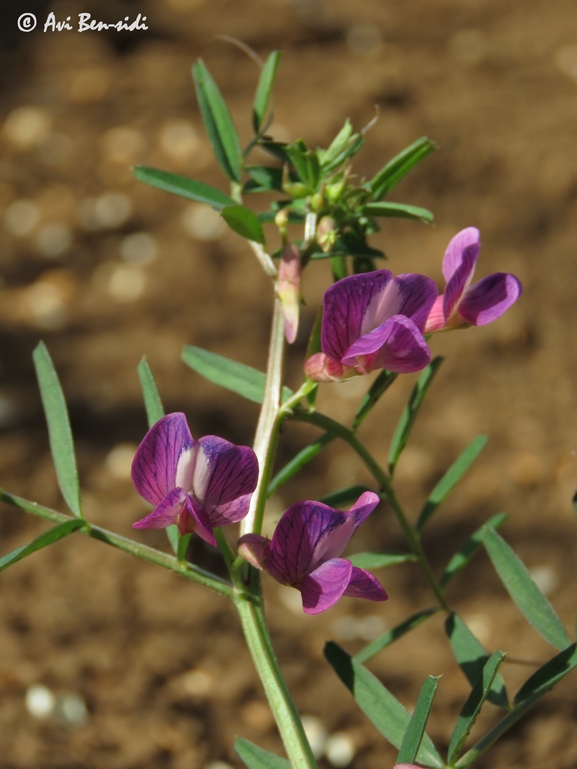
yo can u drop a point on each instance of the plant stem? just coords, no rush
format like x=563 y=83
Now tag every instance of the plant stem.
x=277 y=692
x=185 y=569
x=331 y=425
x=265 y=440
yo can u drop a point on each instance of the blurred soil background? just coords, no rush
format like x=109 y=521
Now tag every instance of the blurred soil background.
x=143 y=669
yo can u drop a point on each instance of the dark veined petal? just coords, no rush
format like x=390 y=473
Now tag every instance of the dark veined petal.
x=363 y=507
x=488 y=299
x=436 y=319
x=397 y=345
x=254 y=549
x=410 y=294
x=224 y=474
x=295 y=538
x=363 y=584
x=323 y=587
x=194 y=518
x=468 y=238
x=344 y=306
x=460 y=279
x=165 y=448
x=334 y=540
x=165 y=513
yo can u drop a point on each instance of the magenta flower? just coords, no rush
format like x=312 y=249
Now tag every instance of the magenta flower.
x=196 y=484
x=466 y=305
x=373 y=321
x=304 y=553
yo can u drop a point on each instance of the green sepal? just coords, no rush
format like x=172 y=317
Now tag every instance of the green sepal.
x=450 y=479
x=264 y=90
x=238 y=377
x=218 y=122
x=416 y=728
x=244 y=222
x=472 y=658
x=469 y=549
x=524 y=591
x=48 y=538
x=59 y=431
x=385 y=712
x=389 y=176
x=184 y=187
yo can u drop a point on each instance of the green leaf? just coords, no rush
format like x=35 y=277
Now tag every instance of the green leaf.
x=306 y=164
x=549 y=674
x=152 y=402
x=524 y=591
x=410 y=412
x=387 y=638
x=263 y=179
x=59 y=432
x=472 y=658
x=416 y=729
x=473 y=705
x=344 y=497
x=48 y=538
x=264 y=90
x=469 y=549
x=338 y=144
x=186 y=188
x=244 y=222
x=218 y=122
x=238 y=377
x=397 y=210
x=355 y=143
x=385 y=712
x=389 y=176
x=259 y=758
x=450 y=479
x=276 y=149
x=380 y=560
x=304 y=456
x=379 y=386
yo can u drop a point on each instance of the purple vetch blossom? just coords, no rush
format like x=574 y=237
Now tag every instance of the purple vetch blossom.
x=304 y=553
x=196 y=484
x=466 y=305
x=373 y=321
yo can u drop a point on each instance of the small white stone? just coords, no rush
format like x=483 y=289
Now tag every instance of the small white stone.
x=53 y=240
x=27 y=127
x=122 y=143
x=340 y=749
x=202 y=223
x=71 y=708
x=139 y=248
x=316 y=734
x=119 y=460
x=127 y=283
x=546 y=578
x=39 y=701
x=196 y=682
x=21 y=217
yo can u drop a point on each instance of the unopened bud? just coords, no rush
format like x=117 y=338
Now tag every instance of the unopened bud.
x=289 y=289
x=281 y=221
x=317 y=201
x=334 y=191
x=326 y=233
x=294 y=189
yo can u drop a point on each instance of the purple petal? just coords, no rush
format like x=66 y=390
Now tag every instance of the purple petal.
x=325 y=585
x=195 y=519
x=467 y=240
x=363 y=584
x=334 y=540
x=224 y=477
x=397 y=345
x=436 y=319
x=344 y=306
x=488 y=299
x=411 y=294
x=165 y=451
x=254 y=549
x=165 y=513
x=460 y=279
x=320 y=368
x=295 y=538
x=364 y=506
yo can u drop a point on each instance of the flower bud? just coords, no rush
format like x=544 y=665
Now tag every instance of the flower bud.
x=326 y=233
x=289 y=289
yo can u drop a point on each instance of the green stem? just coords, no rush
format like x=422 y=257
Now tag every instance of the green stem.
x=144 y=552
x=226 y=550
x=266 y=437
x=277 y=692
x=330 y=425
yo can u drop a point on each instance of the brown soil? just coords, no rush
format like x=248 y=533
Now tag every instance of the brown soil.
x=159 y=662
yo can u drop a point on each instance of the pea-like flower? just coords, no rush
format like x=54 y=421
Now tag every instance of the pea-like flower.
x=304 y=553
x=465 y=305
x=196 y=484
x=373 y=321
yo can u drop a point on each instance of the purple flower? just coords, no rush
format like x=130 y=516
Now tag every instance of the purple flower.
x=304 y=553
x=196 y=484
x=466 y=305
x=373 y=321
